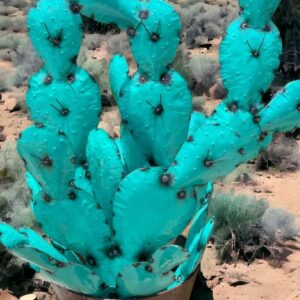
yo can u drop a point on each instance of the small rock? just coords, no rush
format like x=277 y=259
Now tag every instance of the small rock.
x=28 y=297
x=257 y=191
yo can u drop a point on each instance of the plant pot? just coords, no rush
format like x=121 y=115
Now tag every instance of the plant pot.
x=182 y=292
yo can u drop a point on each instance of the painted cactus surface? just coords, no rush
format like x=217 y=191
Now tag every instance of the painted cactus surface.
x=112 y=207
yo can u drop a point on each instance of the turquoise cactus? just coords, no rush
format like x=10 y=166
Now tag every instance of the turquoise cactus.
x=112 y=207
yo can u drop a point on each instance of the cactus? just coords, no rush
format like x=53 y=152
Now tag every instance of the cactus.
x=110 y=207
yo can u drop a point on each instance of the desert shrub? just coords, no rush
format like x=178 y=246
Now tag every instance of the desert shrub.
x=205 y=74
x=202 y=21
x=242 y=174
x=92 y=26
x=26 y=62
x=277 y=223
x=15 y=24
x=20 y=4
x=4 y=23
x=282 y=155
x=237 y=227
x=13 y=189
x=5 y=84
x=99 y=71
x=7 y=10
x=181 y=64
x=217 y=91
x=93 y=41
x=19 y=24
x=117 y=43
x=246 y=228
x=11 y=166
x=9 y=41
x=7 y=55
x=199 y=104
x=82 y=56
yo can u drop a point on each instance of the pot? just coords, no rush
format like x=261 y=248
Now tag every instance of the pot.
x=182 y=292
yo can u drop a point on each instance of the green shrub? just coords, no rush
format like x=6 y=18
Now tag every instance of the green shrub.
x=246 y=227
x=237 y=221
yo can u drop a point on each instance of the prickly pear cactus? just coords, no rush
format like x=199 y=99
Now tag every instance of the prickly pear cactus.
x=111 y=208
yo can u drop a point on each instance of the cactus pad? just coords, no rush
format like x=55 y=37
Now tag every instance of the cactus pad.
x=108 y=11
x=155 y=275
x=52 y=167
x=248 y=59
x=56 y=34
x=106 y=169
x=258 y=13
x=70 y=107
x=196 y=249
x=145 y=202
x=151 y=112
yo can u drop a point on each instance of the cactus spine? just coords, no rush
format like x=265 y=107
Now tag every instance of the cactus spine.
x=110 y=207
